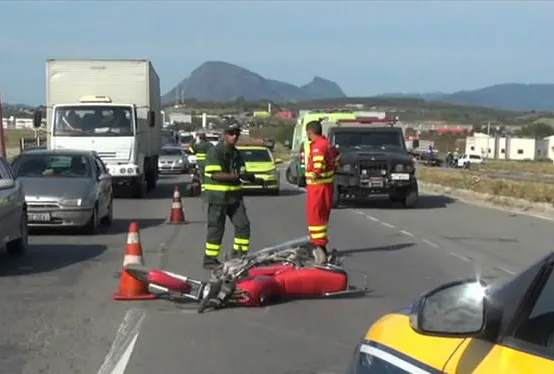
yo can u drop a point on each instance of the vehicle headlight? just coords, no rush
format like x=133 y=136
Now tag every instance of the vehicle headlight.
x=347 y=168
x=179 y=161
x=71 y=202
x=206 y=290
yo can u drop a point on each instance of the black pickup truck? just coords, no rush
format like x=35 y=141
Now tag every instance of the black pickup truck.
x=375 y=161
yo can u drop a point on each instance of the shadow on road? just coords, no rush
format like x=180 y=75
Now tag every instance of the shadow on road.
x=283 y=192
x=425 y=202
x=386 y=248
x=119 y=225
x=44 y=258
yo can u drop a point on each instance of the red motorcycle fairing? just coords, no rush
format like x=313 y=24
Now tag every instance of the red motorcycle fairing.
x=271 y=282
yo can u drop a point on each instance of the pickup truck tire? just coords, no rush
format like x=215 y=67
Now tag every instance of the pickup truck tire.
x=411 y=198
x=336 y=197
x=19 y=246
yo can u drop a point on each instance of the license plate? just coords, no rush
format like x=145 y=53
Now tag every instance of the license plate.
x=376 y=182
x=38 y=217
x=400 y=176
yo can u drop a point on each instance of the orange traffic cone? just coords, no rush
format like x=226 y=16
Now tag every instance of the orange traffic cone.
x=177 y=215
x=129 y=287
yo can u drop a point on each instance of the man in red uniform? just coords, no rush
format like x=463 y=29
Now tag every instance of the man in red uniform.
x=320 y=175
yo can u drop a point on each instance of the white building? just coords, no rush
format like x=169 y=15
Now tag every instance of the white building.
x=509 y=148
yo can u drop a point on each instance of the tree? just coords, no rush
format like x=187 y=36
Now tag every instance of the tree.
x=535 y=130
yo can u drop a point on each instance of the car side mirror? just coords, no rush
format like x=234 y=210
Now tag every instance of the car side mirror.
x=37 y=118
x=456 y=309
x=278 y=161
x=103 y=177
x=152 y=118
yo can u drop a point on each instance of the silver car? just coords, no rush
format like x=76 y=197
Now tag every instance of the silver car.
x=173 y=160
x=14 y=235
x=65 y=188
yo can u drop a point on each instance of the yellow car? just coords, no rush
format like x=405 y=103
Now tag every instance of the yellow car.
x=260 y=161
x=468 y=327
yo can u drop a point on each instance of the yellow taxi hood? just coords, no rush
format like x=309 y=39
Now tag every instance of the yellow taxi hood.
x=392 y=339
x=259 y=167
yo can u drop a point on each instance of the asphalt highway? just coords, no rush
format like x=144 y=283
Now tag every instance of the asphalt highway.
x=58 y=316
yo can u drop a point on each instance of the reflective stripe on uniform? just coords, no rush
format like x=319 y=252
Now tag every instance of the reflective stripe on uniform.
x=221 y=187
x=213 y=168
x=212 y=249
x=318 y=232
x=241 y=244
x=319 y=158
x=201 y=157
x=324 y=178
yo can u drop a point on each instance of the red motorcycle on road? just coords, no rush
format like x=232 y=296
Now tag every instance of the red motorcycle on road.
x=282 y=271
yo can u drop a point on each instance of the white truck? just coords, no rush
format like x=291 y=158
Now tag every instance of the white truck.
x=112 y=107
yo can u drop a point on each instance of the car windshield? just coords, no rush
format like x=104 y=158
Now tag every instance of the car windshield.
x=368 y=139
x=256 y=155
x=186 y=138
x=52 y=166
x=97 y=120
x=171 y=152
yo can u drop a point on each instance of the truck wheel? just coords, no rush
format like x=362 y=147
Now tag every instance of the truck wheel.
x=151 y=180
x=288 y=176
x=138 y=188
x=411 y=198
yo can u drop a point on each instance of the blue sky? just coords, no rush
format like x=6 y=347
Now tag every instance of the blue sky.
x=367 y=47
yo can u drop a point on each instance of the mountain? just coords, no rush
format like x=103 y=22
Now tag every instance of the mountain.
x=222 y=81
x=509 y=96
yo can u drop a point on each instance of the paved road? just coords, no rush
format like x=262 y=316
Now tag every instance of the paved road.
x=62 y=319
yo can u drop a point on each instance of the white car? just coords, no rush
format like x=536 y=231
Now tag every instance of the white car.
x=469 y=159
x=14 y=234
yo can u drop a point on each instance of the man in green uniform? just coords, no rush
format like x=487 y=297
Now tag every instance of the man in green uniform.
x=200 y=149
x=222 y=190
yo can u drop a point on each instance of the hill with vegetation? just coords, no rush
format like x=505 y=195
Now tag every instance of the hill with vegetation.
x=222 y=81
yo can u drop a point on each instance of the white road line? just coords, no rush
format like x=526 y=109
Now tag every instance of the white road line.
x=125 y=339
x=506 y=270
x=372 y=218
x=428 y=242
x=407 y=233
x=463 y=258
x=387 y=225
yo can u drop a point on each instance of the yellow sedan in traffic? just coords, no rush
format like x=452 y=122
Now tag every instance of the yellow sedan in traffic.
x=259 y=160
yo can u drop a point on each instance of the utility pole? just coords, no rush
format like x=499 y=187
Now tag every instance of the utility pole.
x=3 y=150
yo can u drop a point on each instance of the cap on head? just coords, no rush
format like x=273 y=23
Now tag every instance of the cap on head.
x=233 y=129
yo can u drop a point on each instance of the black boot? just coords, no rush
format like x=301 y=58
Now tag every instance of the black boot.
x=210 y=262
x=237 y=254
x=320 y=255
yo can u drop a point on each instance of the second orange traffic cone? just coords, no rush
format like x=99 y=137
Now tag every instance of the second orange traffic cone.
x=177 y=214
x=131 y=288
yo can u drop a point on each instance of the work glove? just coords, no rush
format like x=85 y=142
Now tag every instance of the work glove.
x=244 y=175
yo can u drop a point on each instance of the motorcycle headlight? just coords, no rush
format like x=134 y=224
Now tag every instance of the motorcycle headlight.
x=206 y=290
